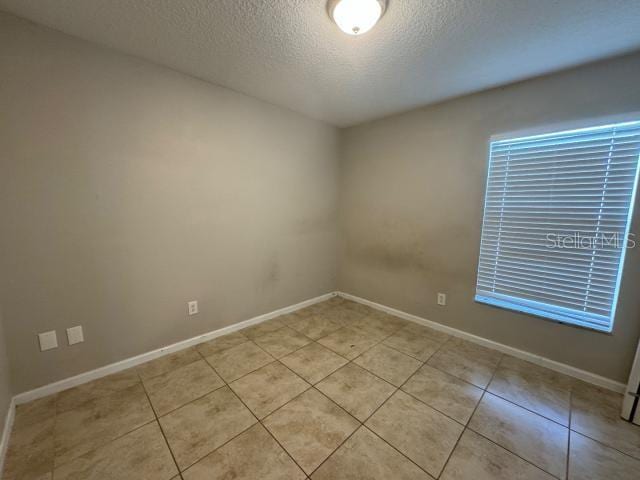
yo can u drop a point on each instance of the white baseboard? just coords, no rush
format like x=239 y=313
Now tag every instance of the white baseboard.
x=145 y=357
x=522 y=354
x=6 y=433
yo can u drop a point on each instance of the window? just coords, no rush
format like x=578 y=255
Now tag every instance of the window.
x=556 y=222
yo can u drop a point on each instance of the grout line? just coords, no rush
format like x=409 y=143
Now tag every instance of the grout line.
x=105 y=444
x=217 y=448
x=600 y=442
x=157 y=420
x=484 y=391
x=509 y=451
x=259 y=422
x=486 y=388
x=394 y=393
x=226 y=385
x=363 y=423
x=55 y=466
x=186 y=403
x=397 y=450
x=527 y=408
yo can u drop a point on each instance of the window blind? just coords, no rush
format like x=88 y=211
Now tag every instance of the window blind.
x=556 y=223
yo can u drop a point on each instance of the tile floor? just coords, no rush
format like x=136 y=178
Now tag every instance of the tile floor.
x=334 y=391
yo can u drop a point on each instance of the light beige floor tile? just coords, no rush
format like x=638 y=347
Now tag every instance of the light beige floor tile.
x=596 y=414
x=533 y=387
x=263 y=328
x=310 y=428
x=476 y=458
x=100 y=421
x=359 y=307
x=316 y=326
x=140 y=454
x=237 y=361
x=289 y=319
x=528 y=435
x=307 y=312
x=590 y=460
x=348 y=342
x=269 y=388
x=392 y=319
x=31 y=451
x=391 y=323
x=365 y=456
x=282 y=342
x=313 y=362
x=34 y=412
x=177 y=387
x=468 y=361
x=220 y=344
x=168 y=362
x=421 y=433
x=408 y=341
x=430 y=333
x=252 y=455
x=391 y=365
x=76 y=396
x=343 y=316
x=375 y=327
x=199 y=427
x=446 y=393
x=356 y=390
x=319 y=307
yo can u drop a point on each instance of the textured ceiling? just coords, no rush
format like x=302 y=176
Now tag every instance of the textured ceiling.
x=289 y=53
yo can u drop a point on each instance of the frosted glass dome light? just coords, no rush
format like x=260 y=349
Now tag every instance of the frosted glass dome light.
x=356 y=17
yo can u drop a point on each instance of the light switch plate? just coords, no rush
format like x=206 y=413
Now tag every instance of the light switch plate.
x=48 y=340
x=75 y=335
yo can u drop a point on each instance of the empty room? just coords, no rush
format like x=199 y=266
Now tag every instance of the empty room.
x=319 y=239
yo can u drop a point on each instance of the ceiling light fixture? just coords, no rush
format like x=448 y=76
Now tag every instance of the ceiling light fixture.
x=356 y=17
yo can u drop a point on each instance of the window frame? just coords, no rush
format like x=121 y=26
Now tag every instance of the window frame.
x=550 y=129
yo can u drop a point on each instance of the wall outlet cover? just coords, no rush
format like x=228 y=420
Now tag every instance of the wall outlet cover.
x=75 y=335
x=192 y=307
x=442 y=299
x=48 y=340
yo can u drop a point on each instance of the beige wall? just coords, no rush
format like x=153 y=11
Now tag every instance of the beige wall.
x=5 y=381
x=127 y=189
x=412 y=189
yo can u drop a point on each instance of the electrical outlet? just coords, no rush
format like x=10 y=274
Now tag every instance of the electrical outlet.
x=442 y=299
x=48 y=340
x=192 y=307
x=75 y=335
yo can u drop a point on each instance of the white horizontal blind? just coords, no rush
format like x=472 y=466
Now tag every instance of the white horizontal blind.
x=556 y=222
